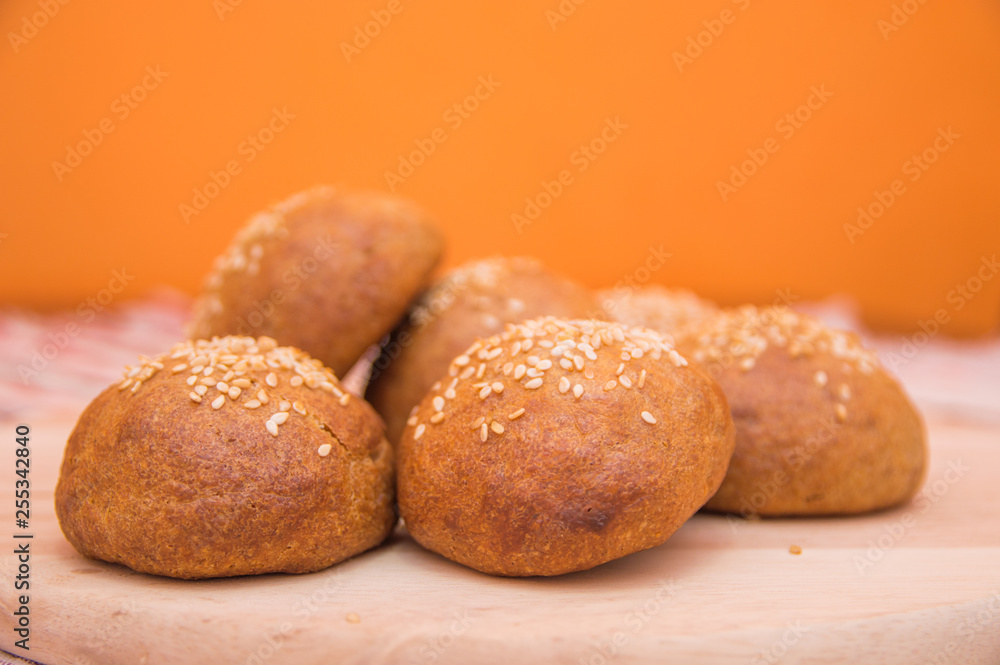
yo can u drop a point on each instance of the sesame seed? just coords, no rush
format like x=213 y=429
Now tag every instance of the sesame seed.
x=195 y=397
x=610 y=385
x=578 y=391
x=494 y=353
x=234 y=392
x=299 y=407
x=648 y=417
x=566 y=364
x=544 y=365
x=508 y=368
x=621 y=368
x=515 y=349
x=438 y=402
x=411 y=421
x=296 y=381
x=625 y=381
x=191 y=380
x=252 y=404
x=485 y=392
x=564 y=385
x=483 y=433
x=344 y=399
x=496 y=427
x=222 y=386
x=178 y=368
x=820 y=378
x=675 y=358
x=197 y=369
x=534 y=383
x=747 y=363
x=534 y=373
x=219 y=401
x=841 y=411
x=242 y=383
x=437 y=417
x=201 y=390
x=532 y=361
x=271 y=427
x=279 y=418
x=324 y=450
x=589 y=373
x=328 y=386
x=467 y=372
x=449 y=394
x=519 y=372
x=497 y=387
x=481 y=371
x=626 y=356
x=419 y=432
x=578 y=362
x=517 y=414
x=844 y=391
x=262 y=396
x=642 y=378
x=284 y=405
x=479 y=421
x=461 y=361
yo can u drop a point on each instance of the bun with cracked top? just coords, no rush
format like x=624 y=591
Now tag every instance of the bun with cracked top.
x=325 y=271
x=226 y=457
x=821 y=428
x=559 y=445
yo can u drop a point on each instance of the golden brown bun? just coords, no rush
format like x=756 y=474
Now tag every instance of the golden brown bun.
x=821 y=428
x=327 y=272
x=474 y=300
x=655 y=307
x=515 y=467
x=167 y=481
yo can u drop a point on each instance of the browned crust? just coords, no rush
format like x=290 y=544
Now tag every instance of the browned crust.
x=571 y=483
x=165 y=485
x=336 y=272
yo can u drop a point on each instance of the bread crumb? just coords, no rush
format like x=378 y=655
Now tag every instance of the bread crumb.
x=795 y=549
x=353 y=617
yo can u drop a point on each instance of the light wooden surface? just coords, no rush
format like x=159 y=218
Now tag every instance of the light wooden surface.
x=720 y=591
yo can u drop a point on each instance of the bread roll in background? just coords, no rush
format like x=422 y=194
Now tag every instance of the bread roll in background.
x=821 y=428
x=326 y=271
x=226 y=457
x=473 y=300
x=558 y=445
x=655 y=307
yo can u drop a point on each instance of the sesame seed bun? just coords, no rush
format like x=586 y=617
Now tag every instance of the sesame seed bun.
x=655 y=307
x=821 y=428
x=474 y=300
x=559 y=445
x=325 y=271
x=226 y=457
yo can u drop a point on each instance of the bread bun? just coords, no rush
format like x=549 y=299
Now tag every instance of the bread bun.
x=226 y=457
x=560 y=445
x=655 y=307
x=328 y=272
x=821 y=428
x=473 y=300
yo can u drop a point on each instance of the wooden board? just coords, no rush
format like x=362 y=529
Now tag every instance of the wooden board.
x=915 y=584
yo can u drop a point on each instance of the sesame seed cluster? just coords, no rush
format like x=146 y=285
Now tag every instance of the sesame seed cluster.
x=544 y=351
x=240 y=372
x=745 y=333
x=244 y=253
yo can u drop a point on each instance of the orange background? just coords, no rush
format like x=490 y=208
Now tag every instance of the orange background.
x=655 y=185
